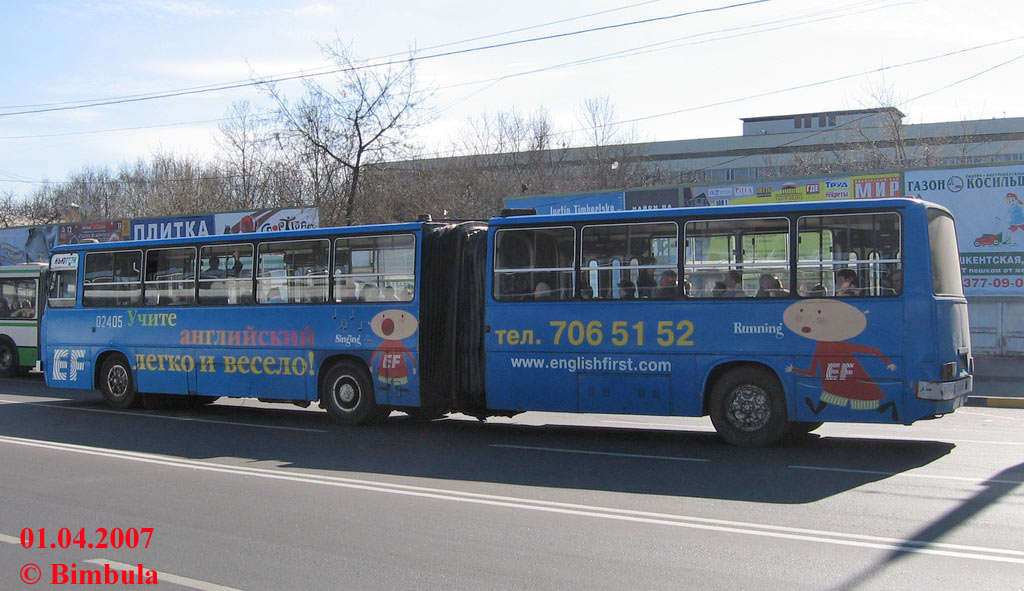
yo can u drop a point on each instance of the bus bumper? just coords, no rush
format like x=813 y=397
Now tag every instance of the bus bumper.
x=949 y=390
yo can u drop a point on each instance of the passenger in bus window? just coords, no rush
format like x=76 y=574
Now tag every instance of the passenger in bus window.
x=817 y=291
x=586 y=292
x=542 y=291
x=237 y=267
x=370 y=293
x=25 y=311
x=734 y=285
x=769 y=286
x=667 y=287
x=894 y=282
x=627 y=290
x=5 y=308
x=645 y=283
x=719 y=289
x=213 y=267
x=846 y=282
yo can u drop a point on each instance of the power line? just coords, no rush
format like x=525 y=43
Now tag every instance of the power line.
x=249 y=83
x=629 y=52
x=803 y=137
x=859 y=119
x=332 y=67
x=650 y=48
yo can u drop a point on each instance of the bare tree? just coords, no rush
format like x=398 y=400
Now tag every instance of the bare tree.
x=362 y=122
x=11 y=213
x=243 y=141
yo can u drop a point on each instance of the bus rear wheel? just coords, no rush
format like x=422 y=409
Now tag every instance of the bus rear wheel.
x=116 y=383
x=347 y=394
x=748 y=408
x=9 y=363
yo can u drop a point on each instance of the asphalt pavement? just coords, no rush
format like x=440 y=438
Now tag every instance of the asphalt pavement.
x=245 y=495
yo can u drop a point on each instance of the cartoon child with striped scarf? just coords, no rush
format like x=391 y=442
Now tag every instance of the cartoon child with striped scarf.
x=844 y=381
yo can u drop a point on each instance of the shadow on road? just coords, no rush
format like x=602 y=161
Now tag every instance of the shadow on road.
x=687 y=463
x=992 y=492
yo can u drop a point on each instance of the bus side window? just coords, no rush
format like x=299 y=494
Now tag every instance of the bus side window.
x=534 y=264
x=849 y=255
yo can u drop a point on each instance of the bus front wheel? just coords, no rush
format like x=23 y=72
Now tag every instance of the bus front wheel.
x=9 y=363
x=116 y=383
x=347 y=394
x=748 y=408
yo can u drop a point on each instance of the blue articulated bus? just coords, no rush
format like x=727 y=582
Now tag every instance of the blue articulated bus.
x=770 y=319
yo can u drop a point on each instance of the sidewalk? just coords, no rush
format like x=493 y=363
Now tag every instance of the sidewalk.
x=998 y=382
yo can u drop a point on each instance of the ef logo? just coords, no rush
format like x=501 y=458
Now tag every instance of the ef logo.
x=67 y=363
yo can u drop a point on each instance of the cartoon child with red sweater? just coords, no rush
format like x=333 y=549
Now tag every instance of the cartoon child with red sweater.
x=844 y=382
x=392 y=326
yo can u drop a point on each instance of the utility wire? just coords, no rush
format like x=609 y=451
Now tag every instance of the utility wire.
x=314 y=70
x=389 y=63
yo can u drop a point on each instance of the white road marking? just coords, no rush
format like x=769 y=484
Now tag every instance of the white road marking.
x=627 y=515
x=10 y=539
x=923 y=439
x=906 y=474
x=982 y=414
x=599 y=453
x=673 y=425
x=164 y=577
x=159 y=416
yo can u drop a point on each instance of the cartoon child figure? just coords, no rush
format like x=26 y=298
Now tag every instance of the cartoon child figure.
x=392 y=326
x=1016 y=211
x=844 y=382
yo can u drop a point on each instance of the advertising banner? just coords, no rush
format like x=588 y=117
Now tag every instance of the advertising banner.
x=804 y=189
x=564 y=204
x=98 y=231
x=988 y=204
x=652 y=198
x=267 y=220
x=26 y=245
x=173 y=227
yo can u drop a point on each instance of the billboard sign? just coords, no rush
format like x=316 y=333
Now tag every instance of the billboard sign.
x=652 y=198
x=173 y=227
x=988 y=204
x=27 y=245
x=780 y=190
x=568 y=204
x=98 y=231
x=267 y=220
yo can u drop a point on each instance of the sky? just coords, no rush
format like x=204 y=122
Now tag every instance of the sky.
x=672 y=69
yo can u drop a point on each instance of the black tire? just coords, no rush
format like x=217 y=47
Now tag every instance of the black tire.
x=117 y=384
x=197 y=401
x=347 y=393
x=10 y=365
x=423 y=415
x=748 y=408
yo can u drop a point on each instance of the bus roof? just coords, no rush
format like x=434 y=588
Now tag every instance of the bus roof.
x=24 y=269
x=247 y=237
x=719 y=210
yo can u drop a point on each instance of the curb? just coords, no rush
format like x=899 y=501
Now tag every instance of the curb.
x=996 y=401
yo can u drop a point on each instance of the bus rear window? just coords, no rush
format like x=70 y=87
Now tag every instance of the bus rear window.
x=945 y=254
